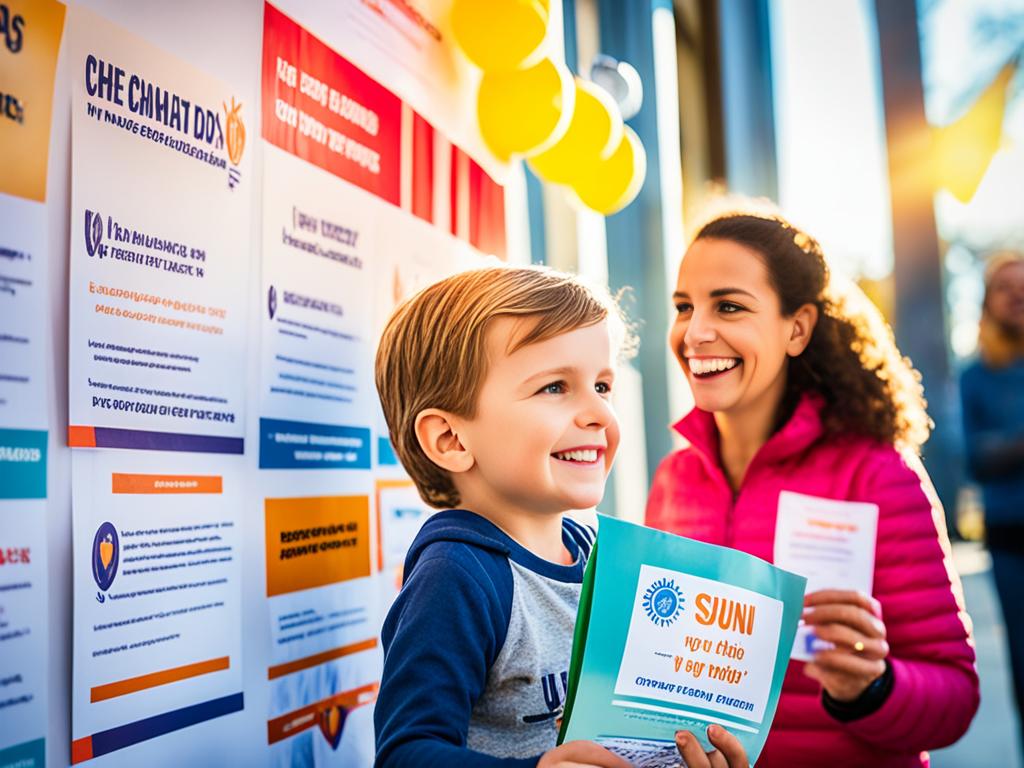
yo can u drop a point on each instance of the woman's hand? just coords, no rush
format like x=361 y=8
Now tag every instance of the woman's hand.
x=728 y=753
x=852 y=622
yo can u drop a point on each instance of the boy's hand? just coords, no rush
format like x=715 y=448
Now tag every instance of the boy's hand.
x=728 y=753
x=580 y=754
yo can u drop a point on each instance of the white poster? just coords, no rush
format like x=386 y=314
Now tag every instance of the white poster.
x=317 y=393
x=24 y=343
x=325 y=655
x=160 y=214
x=24 y=324
x=402 y=513
x=830 y=542
x=157 y=595
x=413 y=254
x=23 y=636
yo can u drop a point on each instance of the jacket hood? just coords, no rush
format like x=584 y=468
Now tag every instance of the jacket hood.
x=457 y=525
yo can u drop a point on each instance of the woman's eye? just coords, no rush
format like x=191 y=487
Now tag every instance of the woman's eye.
x=554 y=388
x=683 y=306
x=729 y=308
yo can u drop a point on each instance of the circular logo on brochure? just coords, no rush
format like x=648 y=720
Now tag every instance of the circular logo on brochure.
x=663 y=602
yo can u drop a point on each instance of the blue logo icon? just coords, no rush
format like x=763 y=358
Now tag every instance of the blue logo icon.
x=106 y=553
x=663 y=602
x=93 y=233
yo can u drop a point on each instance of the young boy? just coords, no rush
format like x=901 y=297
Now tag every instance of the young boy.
x=495 y=385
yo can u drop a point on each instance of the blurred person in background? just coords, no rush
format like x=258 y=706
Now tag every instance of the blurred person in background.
x=992 y=391
x=801 y=388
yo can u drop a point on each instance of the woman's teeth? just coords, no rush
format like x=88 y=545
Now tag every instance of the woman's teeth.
x=704 y=366
x=587 y=455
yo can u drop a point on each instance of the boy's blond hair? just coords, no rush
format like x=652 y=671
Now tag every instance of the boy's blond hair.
x=432 y=353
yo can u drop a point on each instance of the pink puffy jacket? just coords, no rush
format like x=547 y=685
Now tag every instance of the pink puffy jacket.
x=935 y=688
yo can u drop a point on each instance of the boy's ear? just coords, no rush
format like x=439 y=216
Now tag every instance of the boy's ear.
x=438 y=438
x=804 y=320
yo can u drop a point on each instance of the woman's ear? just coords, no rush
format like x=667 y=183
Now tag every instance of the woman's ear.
x=439 y=440
x=804 y=320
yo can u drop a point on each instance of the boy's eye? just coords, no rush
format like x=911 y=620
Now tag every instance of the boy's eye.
x=554 y=388
x=603 y=388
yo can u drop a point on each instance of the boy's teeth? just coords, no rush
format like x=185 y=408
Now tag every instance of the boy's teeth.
x=588 y=455
x=711 y=364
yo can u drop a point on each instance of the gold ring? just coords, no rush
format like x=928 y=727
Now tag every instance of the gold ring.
x=858 y=646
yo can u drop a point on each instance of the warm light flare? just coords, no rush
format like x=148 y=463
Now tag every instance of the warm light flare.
x=962 y=151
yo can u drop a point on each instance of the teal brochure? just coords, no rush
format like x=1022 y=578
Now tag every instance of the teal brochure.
x=673 y=634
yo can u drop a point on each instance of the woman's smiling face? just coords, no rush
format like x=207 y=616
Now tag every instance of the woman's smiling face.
x=730 y=335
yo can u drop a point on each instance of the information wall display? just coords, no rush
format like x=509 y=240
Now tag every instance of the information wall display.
x=159 y=270
x=208 y=214
x=347 y=204
x=29 y=45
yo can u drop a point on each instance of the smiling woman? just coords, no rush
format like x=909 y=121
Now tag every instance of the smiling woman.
x=801 y=389
x=761 y=295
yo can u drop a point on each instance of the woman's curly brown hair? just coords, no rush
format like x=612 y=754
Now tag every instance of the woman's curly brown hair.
x=851 y=360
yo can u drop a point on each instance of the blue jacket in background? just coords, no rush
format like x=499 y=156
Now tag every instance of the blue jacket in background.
x=993 y=414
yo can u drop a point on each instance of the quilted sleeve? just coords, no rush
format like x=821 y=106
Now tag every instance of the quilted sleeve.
x=935 y=688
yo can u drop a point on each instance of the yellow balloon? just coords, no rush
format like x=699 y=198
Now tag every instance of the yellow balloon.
x=500 y=35
x=525 y=111
x=595 y=131
x=610 y=185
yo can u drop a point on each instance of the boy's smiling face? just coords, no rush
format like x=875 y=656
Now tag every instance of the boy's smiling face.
x=544 y=434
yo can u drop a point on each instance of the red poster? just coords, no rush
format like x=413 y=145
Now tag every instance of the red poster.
x=486 y=212
x=318 y=106
x=422 y=202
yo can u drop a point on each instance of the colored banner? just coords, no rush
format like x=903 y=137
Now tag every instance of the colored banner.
x=329 y=715
x=160 y=218
x=299 y=445
x=157 y=595
x=29 y=42
x=685 y=634
x=318 y=106
x=313 y=542
x=29 y=754
x=22 y=464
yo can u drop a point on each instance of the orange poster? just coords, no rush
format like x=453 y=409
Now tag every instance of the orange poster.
x=313 y=542
x=29 y=43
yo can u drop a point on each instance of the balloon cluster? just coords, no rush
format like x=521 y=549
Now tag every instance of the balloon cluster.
x=570 y=130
